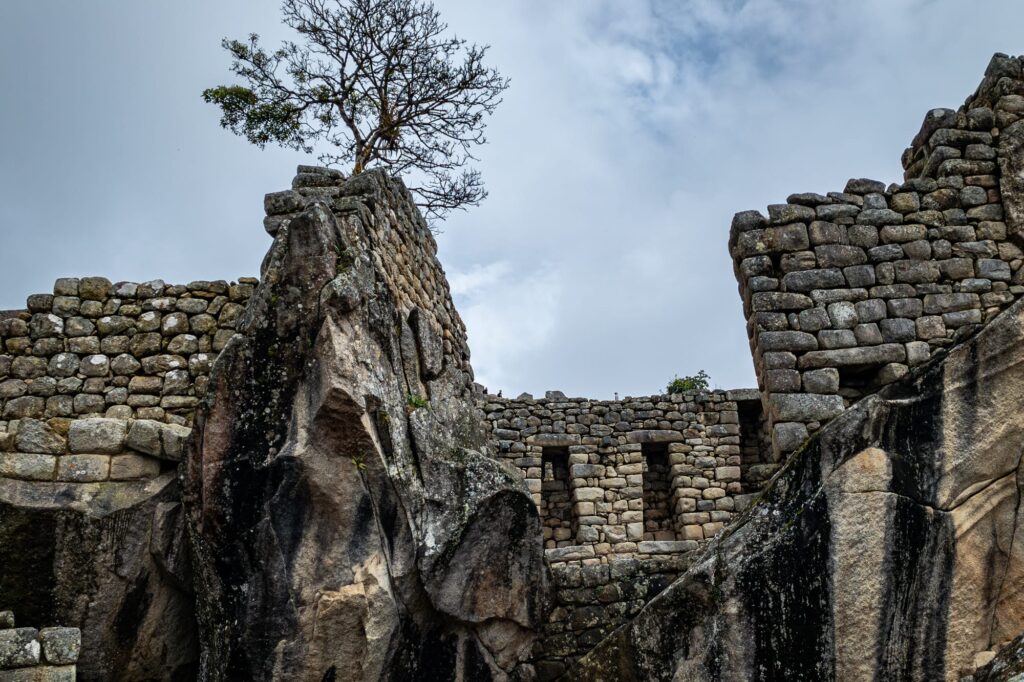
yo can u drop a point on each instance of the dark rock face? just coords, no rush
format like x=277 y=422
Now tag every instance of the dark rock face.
x=890 y=546
x=346 y=525
x=110 y=558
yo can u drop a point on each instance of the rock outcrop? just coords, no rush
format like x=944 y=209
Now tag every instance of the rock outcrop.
x=111 y=559
x=891 y=546
x=345 y=521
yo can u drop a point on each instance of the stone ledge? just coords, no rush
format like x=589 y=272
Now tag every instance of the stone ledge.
x=666 y=546
x=93 y=499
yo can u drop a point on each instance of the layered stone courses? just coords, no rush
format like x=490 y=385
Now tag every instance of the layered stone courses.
x=99 y=381
x=845 y=292
x=31 y=655
x=609 y=446
x=627 y=490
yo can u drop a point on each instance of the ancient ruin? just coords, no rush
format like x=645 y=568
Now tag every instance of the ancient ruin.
x=295 y=476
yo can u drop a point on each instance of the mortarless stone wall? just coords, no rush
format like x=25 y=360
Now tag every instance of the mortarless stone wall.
x=627 y=490
x=845 y=292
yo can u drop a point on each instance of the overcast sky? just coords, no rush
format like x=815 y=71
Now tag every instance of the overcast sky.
x=632 y=132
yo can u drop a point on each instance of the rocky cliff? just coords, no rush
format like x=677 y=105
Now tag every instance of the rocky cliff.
x=345 y=522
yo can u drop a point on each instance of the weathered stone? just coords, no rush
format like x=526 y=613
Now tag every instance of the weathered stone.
x=60 y=645
x=36 y=436
x=804 y=407
x=97 y=436
x=787 y=341
x=19 y=647
x=94 y=288
x=132 y=467
x=27 y=466
x=852 y=357
x=806 y=280
x=455 y=571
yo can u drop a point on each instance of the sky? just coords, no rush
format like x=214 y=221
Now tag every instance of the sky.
x=632 y=131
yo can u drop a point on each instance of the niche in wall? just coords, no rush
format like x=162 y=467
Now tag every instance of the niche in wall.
x=658 y=523
x=556 y=499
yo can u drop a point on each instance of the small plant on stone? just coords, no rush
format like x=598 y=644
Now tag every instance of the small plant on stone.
x=694 y=383
x=358 y=463
x=415 y=402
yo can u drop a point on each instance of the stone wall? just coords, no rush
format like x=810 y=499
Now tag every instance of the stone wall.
x=845 y=292
x=99 y=381
x=403 y=248
x=31 y=655
x=626 y=490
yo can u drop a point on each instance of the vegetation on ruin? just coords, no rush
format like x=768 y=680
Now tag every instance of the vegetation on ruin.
x=381 y=83
x=693 y=383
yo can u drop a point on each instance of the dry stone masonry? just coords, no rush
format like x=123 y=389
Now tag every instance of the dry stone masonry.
x=99 y=381
x=31 y=655
x=846 y=292
x=627 y=490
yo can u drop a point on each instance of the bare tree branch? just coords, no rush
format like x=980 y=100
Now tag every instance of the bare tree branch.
x=378 y=81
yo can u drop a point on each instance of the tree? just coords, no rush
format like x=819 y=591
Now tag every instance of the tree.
x=689 y=384
x=379 y=82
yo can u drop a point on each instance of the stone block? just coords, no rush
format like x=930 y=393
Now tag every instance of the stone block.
x=805 y=407
x=83 y=468
x=782 y=381
x=27 y=466
x=97 y=436
x=947 y=303
x=916 y=271
x=778 y=360
x=993 y=269
x=570 y=553
x=94 y=288
x=843 y=315
x=727 y=473
x=870 y=310
x=897 y=330
x=36 y=436
x=813 y=319
x=854 y=357
x=130 y=467
x=767 y=301
x=60 y=645
x=839 y=255
x=779 y=239
x=918 y=353
x=930 y=327
x=807 y=280
x=666 y=546
x=821 y=232
x=823 y=381
x=19 y=647
x=786 y=341
x=867 y=334
x=883 y=254
x=589 y=494
x=905 y=307
x=860 y=275
x=836 y=338
x=784 y=214
x=879 y=217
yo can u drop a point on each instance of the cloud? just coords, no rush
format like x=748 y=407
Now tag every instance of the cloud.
x=631 y=134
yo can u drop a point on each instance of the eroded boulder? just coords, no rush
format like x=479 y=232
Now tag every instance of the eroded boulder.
x=347 y=523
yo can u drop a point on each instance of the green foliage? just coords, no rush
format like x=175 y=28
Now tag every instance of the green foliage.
x=358 y=462
x=375 y=83
x=414 y=401
x=260 y=122
x=694 y=383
